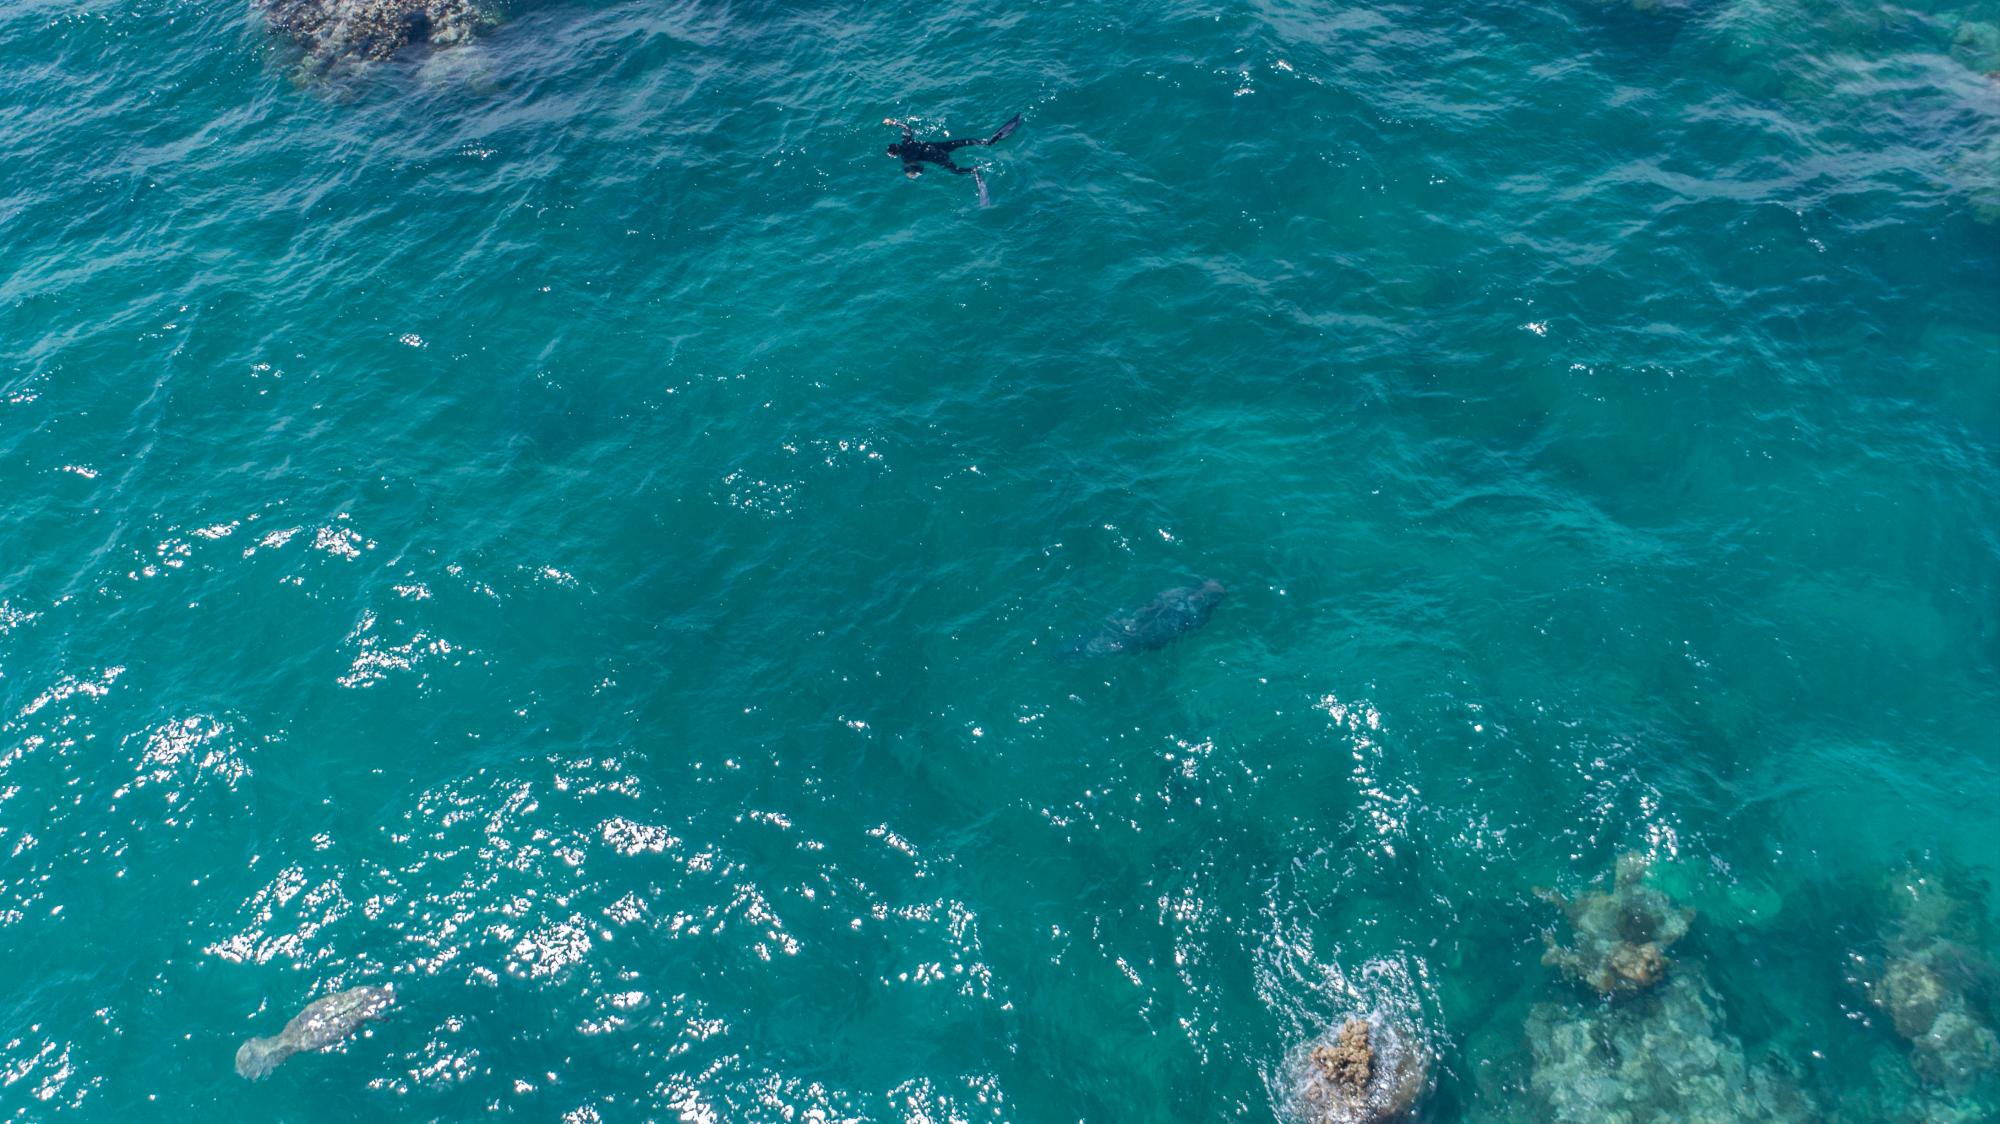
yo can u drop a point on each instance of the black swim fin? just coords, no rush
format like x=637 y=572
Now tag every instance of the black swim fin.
x=980 y=181
x=1005 y=129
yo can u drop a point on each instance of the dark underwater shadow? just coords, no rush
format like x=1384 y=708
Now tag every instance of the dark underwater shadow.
x=1640 y=25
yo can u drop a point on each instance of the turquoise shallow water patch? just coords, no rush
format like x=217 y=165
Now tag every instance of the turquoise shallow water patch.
x=560 y=526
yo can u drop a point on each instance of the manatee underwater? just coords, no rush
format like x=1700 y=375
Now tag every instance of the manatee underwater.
x=1156 y=624
x=325 y=1022
x=333 y=31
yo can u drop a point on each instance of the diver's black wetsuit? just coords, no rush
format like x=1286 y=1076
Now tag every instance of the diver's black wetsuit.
x=915 y=153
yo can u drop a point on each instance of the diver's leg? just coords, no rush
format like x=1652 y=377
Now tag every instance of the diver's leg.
x=978 y=180
x=1001 y=135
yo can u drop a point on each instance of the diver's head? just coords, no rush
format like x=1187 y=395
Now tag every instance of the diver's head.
x=895 y=150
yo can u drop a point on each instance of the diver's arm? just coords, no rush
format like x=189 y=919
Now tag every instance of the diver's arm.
x=907 y=134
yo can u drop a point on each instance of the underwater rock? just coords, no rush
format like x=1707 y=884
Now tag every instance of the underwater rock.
x=332 y=31
x=1955 y=1052
x=1937 y=984
x=1927 y=993
x=1375 y=1071
x=1928 y=908
x=1662 y=1057
x=1933 y=982
x=1912 y=994
x=325 y=1022
x=1618 y=938
x=1347 y=1062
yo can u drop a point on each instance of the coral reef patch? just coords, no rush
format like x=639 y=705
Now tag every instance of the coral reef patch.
x=1618 y=938
x=1935 y=984
x=1662 y=1057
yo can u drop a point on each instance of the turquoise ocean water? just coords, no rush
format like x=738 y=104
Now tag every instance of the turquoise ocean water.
x=560 y=526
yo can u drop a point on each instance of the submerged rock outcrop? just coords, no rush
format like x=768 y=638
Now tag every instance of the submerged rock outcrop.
x=1660 y=1054
x=1933 y=985
x=1376 y=1069
x=1661 y=1058
x=1618 y=938
x=325 y=1022
x=334 y=31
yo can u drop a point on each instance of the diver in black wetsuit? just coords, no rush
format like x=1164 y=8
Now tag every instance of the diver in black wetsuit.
x=915 y=153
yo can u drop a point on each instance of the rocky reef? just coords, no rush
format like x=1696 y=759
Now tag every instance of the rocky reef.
x=337 y=31
x=1662 y=1053
x=325 y=1022
x=1663 y=1057
x=1935 y=984
x=1375 y=1069
x=1618 y=938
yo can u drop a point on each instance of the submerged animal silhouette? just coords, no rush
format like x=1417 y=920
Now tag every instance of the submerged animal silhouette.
x=324 y=1022
x=1156 y=624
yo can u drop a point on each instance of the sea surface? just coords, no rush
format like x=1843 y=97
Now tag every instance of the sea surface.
x=560 y=526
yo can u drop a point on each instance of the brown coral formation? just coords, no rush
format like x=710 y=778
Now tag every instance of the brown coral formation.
x=1346 y=1063
x=1618 y=938
x=1375 y=1071
x=332 y=31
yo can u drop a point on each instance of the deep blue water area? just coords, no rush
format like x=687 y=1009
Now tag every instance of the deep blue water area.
x=557 y=525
